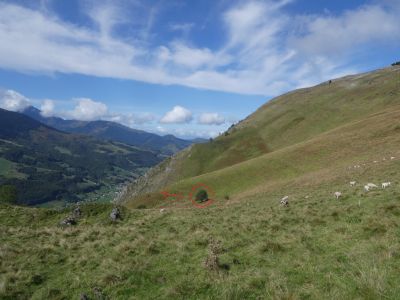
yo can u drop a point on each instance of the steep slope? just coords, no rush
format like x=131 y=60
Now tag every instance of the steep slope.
x=243 y=158
x=45 y=164
x=317 y=248
x=107 y=130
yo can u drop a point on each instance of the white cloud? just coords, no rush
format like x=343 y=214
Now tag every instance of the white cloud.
x=211 y=119
x=177 y=115
x=184 y=27
x=185 y=56
x=263 y=51
x=12 y=100
x=87 y=110
x=130 y=119
x=330 y=35
x=47 y=109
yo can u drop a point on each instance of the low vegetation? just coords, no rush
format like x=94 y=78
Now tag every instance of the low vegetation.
x=245 y=244
x=317 y=248
x=201 y=196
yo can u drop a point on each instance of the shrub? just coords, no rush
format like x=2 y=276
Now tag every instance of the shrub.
x=226 y=197
x=141 y=206
x=201 y=196
x=397 y=63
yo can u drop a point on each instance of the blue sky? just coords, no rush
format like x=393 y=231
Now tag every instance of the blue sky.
x=189 y=68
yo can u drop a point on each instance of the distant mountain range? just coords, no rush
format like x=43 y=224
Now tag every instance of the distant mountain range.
x=106 y=130
x=46 y=164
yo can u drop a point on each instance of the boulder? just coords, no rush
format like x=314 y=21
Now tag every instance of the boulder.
x=68 y=221
x=115 y=214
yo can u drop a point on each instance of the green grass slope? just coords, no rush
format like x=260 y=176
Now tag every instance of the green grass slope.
x=274 y=143
x=317 y=248
x=244 y=247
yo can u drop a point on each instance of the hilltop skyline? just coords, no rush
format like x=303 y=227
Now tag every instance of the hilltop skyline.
x=189 y=69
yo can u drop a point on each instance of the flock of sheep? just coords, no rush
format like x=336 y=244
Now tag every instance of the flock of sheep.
x=337 y=195
x=367 y=187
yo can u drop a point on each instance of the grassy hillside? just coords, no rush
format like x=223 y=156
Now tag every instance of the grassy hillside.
x=317 y=248
x=245 y=245
x=281 y=139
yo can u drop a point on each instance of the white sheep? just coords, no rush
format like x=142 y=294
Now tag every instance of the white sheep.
x=392 y=157
x=385 y=185
x=285 y=201
x=372 y=185
x=338 y=195
x=369 y=186
x=353 y=183
x=163 y=210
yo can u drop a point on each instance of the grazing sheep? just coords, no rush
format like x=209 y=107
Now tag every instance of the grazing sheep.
x=338 y=195
x=371 y=185
x=375 y=161
x=162 y=210
x=385 y=185
x=285 y=201
x=352 y=183
x=392 y=157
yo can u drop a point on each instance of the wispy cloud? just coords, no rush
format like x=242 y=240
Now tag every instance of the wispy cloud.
x=12 y=100
x=265 y=50
x=47 y=109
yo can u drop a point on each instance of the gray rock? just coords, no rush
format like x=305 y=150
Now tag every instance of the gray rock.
x=68 y=221
x=77 y=212
x=115 y=214
x=84 y=297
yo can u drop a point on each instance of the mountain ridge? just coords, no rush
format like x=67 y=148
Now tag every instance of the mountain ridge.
x=286 y=120
x=46 y=164
x=108 y=130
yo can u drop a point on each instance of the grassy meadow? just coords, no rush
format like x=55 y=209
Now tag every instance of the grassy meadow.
x=317 y=248
x=307 y=145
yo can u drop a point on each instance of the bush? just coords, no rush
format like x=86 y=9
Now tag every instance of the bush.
x=397 y=63
x=201 y=196
x=8 y=194
x=226 y=197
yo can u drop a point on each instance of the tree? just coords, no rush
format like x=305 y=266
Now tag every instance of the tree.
x=8 y=194
x=201 y=196
x=397 y=63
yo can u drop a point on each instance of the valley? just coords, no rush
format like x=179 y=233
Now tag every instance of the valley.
x=245 y=244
